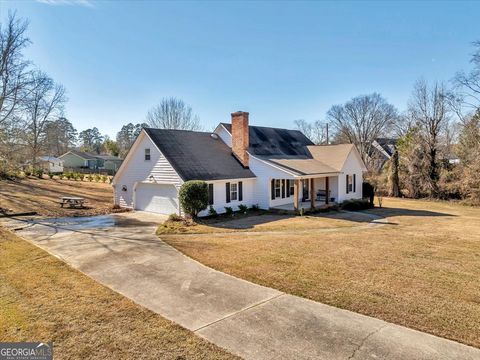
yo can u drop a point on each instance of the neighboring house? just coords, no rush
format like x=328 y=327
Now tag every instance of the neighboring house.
x=109 y=162
x=242 y=164
x=75 y=159
x=383 y=151
x=50 y=164
x=79 y=159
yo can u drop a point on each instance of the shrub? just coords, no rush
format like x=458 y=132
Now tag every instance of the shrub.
x=243 y=208
x=368 y=192
x=104 y=178
x=50 y=175
x=89 y=177
x=38 y=173
x=212 y=211
x=228 y=211
x=28 y=173
x=97 y=177
x=193 y=197
x=255 y=207
x=174 y=217
x=356 y=204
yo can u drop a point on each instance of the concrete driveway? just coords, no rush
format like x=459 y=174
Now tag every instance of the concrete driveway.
x=255 y=322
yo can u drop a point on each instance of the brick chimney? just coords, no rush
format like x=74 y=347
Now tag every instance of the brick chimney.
x=240 y=140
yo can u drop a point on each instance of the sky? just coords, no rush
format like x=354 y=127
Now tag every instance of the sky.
x=280 y=61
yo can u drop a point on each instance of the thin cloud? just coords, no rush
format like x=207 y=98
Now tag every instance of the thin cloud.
x=85 y=3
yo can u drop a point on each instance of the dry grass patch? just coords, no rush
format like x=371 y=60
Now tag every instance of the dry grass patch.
x=43 y=196
x=421 y=271
x=43 y=299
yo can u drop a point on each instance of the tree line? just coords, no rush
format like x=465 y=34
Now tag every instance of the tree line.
x=32 y=110
x=437 y=137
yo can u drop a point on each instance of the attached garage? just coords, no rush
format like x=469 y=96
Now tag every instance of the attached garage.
x=158 y=198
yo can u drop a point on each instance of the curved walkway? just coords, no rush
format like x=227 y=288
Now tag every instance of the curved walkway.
x=255 y=322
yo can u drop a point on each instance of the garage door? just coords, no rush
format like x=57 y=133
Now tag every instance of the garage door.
x=157 y=198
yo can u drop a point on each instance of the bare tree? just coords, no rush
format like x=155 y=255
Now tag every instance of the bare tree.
x=429 y=109
x=316 y=131
x=468 y=83
x=362 y=120
x=44 y=104
x=173 y=113
x=13 y=74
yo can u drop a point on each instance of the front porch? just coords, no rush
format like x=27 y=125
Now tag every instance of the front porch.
x=308 y=193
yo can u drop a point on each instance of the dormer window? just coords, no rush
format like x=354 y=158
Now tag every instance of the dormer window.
x=147 y=154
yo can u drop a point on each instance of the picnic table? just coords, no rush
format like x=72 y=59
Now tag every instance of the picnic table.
x=72 y=202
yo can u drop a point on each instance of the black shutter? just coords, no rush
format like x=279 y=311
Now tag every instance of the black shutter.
x=227 y=188
x=347 y=183
x=288 y=188
x=273 y=189
x=210 y=194
x=354 y=182
x=283 y=188
x=240 y=191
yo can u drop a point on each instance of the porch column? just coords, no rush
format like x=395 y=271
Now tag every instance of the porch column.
x=327 y=190
x=312 y=193
x=296 y=185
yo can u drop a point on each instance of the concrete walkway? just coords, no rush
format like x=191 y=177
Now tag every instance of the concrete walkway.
x=254 y=322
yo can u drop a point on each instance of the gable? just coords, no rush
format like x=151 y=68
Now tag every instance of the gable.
x=135 y=168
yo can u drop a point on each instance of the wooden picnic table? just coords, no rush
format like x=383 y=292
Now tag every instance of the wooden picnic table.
x=73 y=202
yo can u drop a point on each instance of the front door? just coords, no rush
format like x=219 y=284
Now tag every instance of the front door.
x=305 y=192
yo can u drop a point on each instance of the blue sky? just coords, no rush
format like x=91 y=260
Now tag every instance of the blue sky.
x=280 y=61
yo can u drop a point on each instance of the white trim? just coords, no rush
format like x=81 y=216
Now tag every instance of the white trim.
x=301 y=177
x=272 y=165
x=229 y=180
x=223 y=126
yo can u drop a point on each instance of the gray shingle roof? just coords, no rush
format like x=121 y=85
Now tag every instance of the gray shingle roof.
x=267 y=141
x=197 y=155
x=84 y=155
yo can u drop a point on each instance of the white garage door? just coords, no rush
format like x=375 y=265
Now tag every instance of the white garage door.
x=157 y=198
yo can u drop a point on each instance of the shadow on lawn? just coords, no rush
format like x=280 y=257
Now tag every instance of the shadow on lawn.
x=249 y=221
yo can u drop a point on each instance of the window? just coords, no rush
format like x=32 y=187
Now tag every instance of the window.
x=278 y=188
x=147 y=154
x=210 y=194
x=233 y=191
x=291 y=189
x=349 y=183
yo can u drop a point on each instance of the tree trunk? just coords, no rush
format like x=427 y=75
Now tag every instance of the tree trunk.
x=395 y=180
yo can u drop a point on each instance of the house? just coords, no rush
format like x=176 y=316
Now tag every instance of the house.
x=75 y=159
x=50 y=164
x=242 y=164
x=109 y=162
x=383 y=149
x=79 y=159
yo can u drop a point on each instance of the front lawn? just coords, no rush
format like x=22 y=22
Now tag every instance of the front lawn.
x=421 y=271
x=43 y=299
x=261 y=221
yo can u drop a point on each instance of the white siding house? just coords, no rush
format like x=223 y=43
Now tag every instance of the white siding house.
x=267 y=167
x=138 y=178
